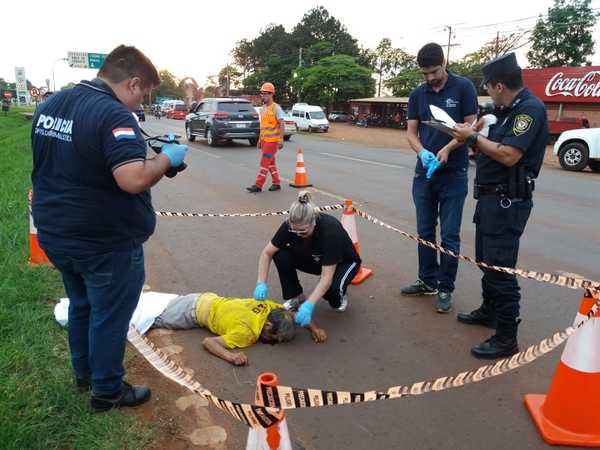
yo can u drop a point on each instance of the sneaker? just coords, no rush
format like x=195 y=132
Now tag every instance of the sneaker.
x=275 y=187
x=130 y=395
x=343 y=305
x=444 y=302
x=254 y=189
x=293 y=304
x=418 y=288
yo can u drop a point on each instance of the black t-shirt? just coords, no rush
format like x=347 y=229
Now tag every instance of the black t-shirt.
x=523 y=125
x=79 y=137
x=328 y=245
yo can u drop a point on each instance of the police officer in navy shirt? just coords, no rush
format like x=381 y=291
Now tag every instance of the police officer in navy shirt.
x=440 y=182
x=508 y=162
x=92 y=207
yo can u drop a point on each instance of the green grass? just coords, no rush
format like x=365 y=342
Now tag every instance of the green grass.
x=39 y=406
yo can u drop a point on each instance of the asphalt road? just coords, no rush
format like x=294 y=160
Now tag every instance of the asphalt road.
x=383 y=339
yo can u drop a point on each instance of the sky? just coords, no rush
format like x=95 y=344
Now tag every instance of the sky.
x=194 y=38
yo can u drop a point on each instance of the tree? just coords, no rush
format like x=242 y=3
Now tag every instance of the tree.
x=334 y=79
x=229 y=77
x=389 y=61
x=565 y=37
x=318 y=26
x=169 y=85
x=403 y=83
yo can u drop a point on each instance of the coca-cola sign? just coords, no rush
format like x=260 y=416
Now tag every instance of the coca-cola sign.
x=564 y=84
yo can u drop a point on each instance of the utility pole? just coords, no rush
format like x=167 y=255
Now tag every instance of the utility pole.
x=53 y=78
x=497 y=47
x=449 y=40
x=449 y=28
x=299 y=66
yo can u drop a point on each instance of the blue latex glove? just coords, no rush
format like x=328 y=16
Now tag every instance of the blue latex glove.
x=433 y=166
x=426 y=157
x=175 y=153
x=304 y=314
x=261 y=290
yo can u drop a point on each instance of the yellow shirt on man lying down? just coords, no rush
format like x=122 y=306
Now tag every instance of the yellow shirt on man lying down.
x=238 y=320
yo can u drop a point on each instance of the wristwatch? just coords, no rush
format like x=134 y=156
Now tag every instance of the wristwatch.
x=471 y=141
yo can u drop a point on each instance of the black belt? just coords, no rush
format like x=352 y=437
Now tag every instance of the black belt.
x=487 y=189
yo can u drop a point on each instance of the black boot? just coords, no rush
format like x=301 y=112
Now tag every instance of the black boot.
x=501 y=345
x=484 y=315
x=130 y=395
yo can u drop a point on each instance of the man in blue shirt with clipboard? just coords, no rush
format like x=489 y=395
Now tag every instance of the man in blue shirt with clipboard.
x=440 y=181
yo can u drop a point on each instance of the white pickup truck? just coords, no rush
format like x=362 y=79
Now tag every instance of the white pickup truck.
x=577 y=149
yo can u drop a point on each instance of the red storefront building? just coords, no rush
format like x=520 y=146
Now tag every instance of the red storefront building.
x=570 y=93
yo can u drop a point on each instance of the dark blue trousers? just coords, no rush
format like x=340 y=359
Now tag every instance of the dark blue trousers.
x=103 y=290
x=497 y=234
x=441 y=197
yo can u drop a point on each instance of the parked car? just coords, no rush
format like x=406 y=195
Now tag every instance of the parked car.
x=141 y=115
x=169 y=105
x=290 y=125
x=309 y=117
x=178 y=111
x=577 y=149
x=339 y=116
x=556 y=127
x=218 y=119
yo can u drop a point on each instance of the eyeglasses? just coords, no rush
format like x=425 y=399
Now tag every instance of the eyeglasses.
x=301 y=232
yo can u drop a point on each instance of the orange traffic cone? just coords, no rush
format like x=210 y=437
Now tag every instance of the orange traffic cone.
x=568 y=414
x=277 y=436
x=301 y=180
x=36 y=254
x=349 y=223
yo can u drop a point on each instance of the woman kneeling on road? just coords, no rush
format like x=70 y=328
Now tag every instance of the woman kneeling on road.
x=315 y=243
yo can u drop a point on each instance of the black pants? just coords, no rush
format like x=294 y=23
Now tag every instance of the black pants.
x=287 y=265
x=497 y=234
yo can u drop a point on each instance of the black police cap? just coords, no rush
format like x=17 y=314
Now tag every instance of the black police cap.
x=501 y=68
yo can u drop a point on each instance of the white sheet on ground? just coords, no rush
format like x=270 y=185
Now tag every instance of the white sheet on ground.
x=150 y=306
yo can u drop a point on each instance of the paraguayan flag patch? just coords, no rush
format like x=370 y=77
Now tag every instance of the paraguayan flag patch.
x=124 y=134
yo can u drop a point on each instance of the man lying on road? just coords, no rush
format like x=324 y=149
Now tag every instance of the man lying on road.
x=237 y=322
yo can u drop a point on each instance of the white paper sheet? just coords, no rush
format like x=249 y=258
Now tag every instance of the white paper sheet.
x=150 y=306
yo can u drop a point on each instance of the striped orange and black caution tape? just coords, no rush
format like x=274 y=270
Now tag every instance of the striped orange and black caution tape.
x=286 y=397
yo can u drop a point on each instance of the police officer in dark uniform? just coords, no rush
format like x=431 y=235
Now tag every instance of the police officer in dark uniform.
x=92 y=207
x=508 y=162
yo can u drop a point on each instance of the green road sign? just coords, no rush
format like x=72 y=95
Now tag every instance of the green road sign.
x=84 y=60
x=95 y=60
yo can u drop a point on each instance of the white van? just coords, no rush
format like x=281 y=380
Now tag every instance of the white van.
x=169 y=105
x=309 y=117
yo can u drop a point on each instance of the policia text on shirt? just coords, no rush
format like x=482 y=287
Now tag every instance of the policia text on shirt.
x=92 y=207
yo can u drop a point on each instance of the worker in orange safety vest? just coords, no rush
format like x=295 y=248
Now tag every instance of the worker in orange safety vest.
x=271 y=139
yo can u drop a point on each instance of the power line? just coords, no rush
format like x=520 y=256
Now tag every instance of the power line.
x=510 y=21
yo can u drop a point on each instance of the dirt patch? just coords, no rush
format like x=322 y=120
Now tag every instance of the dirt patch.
x=182 y=418
x=389 y=138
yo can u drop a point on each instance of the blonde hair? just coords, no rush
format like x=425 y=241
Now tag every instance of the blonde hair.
x=303 y=211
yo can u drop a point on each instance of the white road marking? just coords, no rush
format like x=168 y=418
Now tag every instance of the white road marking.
x=367 y=161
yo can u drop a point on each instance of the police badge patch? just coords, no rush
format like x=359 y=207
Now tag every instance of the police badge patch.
x=522 y=124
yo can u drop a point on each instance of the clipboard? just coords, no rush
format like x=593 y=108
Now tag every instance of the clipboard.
x=440 y=120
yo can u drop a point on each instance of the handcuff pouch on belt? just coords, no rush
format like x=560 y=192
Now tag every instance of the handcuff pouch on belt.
x=520 y=187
